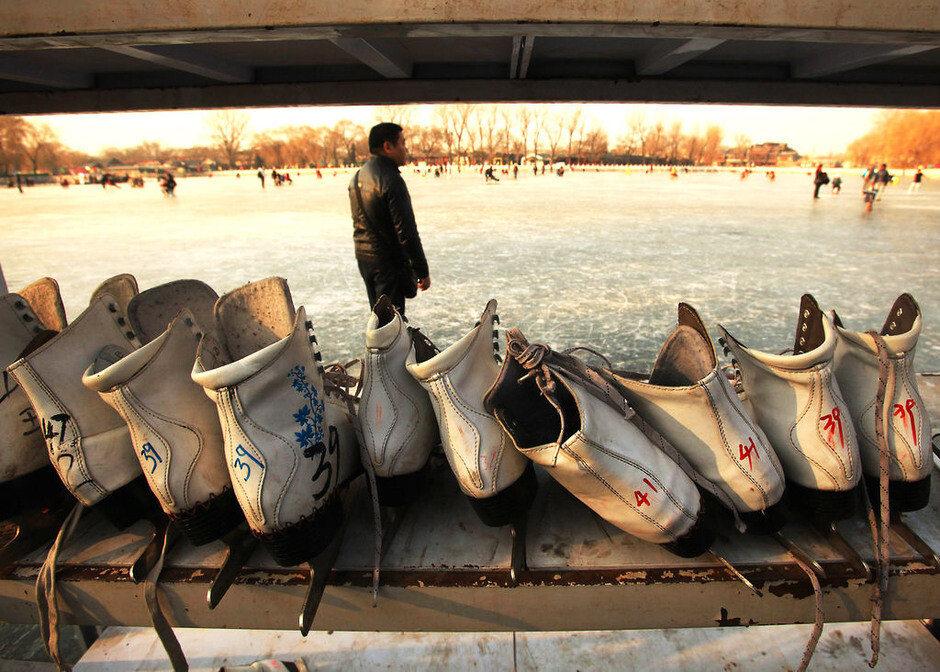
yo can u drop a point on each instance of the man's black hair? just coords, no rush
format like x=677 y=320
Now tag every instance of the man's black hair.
x=382 y=133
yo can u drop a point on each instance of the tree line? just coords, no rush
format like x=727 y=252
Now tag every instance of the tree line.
x=474 y=133
x=902 y=138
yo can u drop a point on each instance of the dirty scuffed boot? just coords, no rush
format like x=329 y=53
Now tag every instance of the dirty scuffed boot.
x=398 y=423
x=907 y=425
x=88 y=443
x=796 y=401
x=562 y=418
x=27 y=479
x=174 y=426
x=689 y=401
x=289 y=447
x=498 y=481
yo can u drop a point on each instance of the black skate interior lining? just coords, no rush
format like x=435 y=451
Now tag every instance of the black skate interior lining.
x=685 y=359
x=424 y=348
x=901 y=318
x=383 y=310
x=809 y=328
x=526 y=414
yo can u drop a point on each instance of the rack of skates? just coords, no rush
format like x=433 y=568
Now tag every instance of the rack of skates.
x=179 y=459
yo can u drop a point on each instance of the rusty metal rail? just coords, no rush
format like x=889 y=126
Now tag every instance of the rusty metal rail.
x=444 y=571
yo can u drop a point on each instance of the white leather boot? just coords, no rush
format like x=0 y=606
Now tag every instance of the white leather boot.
x=150 y=311
x=290 y=449
x=797 y=402
x=499 y=482
x=398 y=423
x=44 y=298
x=174 y=426
x=87 y=441
x=27 y=480
x=690 y=402
x=594 y=450
x=907 y=425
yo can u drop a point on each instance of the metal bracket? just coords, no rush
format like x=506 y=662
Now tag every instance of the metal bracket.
x=738 y=575
x=517 y=562
x=899 y=527
x=801 y=554
x=837 y=541
x=151 y=554
x=239 y=545
x=33 y=529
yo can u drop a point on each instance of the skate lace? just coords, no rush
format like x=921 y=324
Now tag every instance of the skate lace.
x=338 y=381
x=46 y=598
x=539 y=360
x=880 y=523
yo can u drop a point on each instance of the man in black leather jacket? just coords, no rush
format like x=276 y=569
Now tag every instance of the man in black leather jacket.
x=388 y=247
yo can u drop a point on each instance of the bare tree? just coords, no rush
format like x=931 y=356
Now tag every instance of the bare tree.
x=396 y=114
x=454 y=119
x=229 y=129
x=573 y=122
x=713 y=137
x=673 y=140
x=155 y=151
x=637 y=133
x=553 y=131
x=524 y=119
x=39 y=141
x=595 y=143
x=539 y=120
x=12 y=136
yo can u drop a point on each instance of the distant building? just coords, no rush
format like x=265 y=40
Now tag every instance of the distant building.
x=764 y=154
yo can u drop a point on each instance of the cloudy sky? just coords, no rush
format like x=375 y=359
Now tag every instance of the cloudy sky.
x=809 y=130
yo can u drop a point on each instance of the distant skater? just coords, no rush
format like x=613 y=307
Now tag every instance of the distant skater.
x=836 y=184
x=915 y=185
x=168 y=185
x=261 y=177
x=490 y=175
x=883 y=178
x=819 y=180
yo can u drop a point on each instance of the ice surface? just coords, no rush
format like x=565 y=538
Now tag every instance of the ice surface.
x=592 y=258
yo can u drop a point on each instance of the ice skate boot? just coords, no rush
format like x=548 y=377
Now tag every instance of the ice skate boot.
x=88 y=443
x=121 y=288
x=398 y=424
x=907 y=425
x=562 y=418
x=27 y=480
x=796 y=401
x=289 y=447
x=174 y=426
x=150 y=311
x=690 y=402
x=44 y=298
x=499 y=482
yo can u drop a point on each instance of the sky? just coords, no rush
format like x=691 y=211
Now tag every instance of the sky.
x=808 y=130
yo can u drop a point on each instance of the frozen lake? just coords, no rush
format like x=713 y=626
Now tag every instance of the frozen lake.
x=596 y=259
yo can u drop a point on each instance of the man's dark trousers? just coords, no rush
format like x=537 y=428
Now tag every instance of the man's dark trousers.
x=380 y=279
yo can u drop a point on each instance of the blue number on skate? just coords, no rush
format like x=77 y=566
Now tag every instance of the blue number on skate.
x=148 y=452
x=238 y=464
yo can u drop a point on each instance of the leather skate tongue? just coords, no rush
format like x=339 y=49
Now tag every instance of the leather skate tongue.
x=152 y=310
x=809 y=329
x=688 y=355
x=901 y=318
x=44 y=298
x=254 y=316
x=122 y=287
